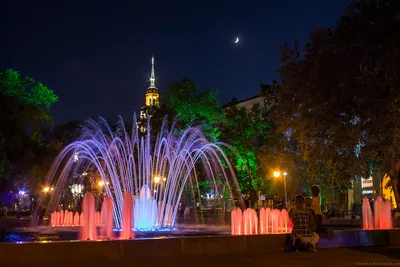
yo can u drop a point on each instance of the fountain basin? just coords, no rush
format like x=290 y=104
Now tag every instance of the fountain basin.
x=124 y=251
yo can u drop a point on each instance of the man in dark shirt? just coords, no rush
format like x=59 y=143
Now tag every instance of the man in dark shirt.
x=303 y=224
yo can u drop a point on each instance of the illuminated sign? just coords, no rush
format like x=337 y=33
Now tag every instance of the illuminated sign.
x=367 y=192
x=367 y=182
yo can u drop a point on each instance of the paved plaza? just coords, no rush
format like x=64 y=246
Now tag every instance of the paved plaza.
x=371 y=256
x=367 y=256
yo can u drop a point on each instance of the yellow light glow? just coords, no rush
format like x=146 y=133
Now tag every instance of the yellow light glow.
x=152 y=98
x=46 y=189
x=156 y=179
x=100 y=183
x=164 y=179
x=285 y=173
x=387 y=193
x=277 y=174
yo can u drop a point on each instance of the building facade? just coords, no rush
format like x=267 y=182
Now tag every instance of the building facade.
x=265 y=98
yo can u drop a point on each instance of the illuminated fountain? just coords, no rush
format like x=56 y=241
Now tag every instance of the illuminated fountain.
x=269 y=221
x=382 y=216
x=89 y=223
x=129 y=165
x=107 y=223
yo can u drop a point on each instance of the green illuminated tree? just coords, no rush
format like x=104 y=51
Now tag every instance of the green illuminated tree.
x=24 y=113
x=247 y=132
x=193 y=106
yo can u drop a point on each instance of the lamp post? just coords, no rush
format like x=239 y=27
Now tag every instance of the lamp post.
x=284 y=184
x=278 y=174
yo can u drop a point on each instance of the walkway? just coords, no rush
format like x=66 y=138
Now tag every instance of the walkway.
x=367 y=256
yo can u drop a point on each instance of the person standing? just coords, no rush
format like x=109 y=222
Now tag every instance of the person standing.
x=316 y=206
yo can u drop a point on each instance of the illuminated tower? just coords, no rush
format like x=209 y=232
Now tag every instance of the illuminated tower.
x=151 y=98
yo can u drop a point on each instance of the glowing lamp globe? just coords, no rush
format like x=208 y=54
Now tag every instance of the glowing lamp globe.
x=277 y=173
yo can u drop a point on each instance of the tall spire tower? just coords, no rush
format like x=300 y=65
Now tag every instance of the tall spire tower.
x=152 y=76
x=152 y=95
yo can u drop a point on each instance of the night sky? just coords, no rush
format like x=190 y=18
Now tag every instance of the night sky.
x=96 y=54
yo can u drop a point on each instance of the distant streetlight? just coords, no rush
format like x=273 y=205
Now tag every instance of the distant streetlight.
x=277 y=174
x=164 y=179
x=100 y=183
x=157 y=179
x=46 y=189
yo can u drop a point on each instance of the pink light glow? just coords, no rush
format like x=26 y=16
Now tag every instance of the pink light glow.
x=269 y=221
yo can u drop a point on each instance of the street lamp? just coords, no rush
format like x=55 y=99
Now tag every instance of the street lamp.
x=277 y=174
x=46 y=189
x=156 y=179
x=100 y=183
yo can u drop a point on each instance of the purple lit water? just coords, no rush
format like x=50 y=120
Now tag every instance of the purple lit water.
x=156 y=174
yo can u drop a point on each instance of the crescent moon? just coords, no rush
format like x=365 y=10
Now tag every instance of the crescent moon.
x=237 y=40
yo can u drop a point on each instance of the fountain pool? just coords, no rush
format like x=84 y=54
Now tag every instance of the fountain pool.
x=144 y=179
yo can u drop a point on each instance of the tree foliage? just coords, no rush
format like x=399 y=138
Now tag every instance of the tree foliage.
x=247 y=132
x=24 y=114
x=193 y=106
x=340 y=103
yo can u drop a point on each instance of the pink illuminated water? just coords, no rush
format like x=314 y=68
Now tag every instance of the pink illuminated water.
x=76 y=219
x=127 y=218
x=382 y=216
x=88 y=228
x=62 y=218
x=269 y=221
x=107 y=218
